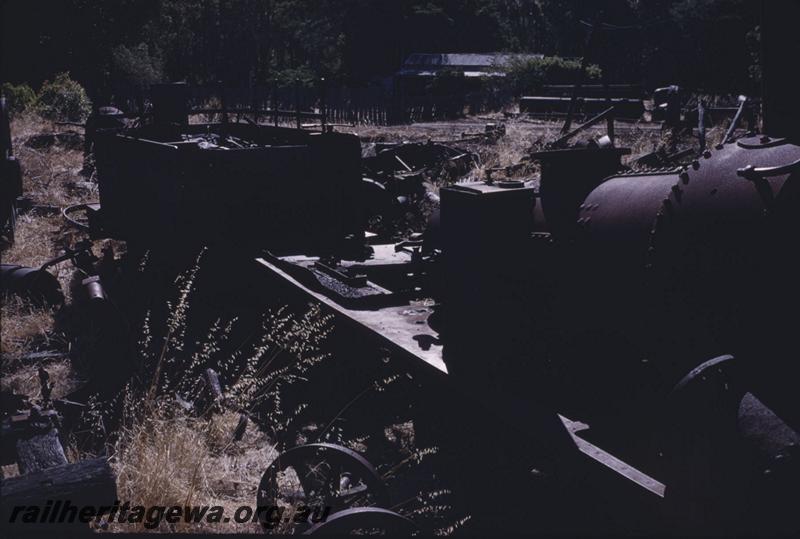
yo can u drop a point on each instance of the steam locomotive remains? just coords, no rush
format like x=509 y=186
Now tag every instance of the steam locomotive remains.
x=613 y=320
x=623 y=333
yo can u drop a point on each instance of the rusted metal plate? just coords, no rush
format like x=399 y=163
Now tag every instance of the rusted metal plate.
x=401 y=328
x=384 y=256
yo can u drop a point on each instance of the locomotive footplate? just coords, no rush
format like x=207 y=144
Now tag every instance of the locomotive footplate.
x=400 y=324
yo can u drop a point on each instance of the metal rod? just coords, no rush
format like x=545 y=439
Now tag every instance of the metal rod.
x=583 y=126
x=735 y=121
x=609 y=104
x=701 y=124
x=576 y=89
x=254 y=101
x=279 y=112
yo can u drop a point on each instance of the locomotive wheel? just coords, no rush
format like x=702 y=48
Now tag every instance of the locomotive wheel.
x=363 y=520
x=704 y=404
x=703 y=456
x=321 y=474
x=710 y=390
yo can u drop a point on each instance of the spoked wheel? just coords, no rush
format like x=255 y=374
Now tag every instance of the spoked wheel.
x=321 y=476
x=77 y=216
x=703 y=459
x=364 y=521
x=712 y=390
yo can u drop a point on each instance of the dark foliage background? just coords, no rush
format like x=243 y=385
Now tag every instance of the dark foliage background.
x=709 y=45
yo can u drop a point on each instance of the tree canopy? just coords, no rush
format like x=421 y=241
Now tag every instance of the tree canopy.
x=706 y=44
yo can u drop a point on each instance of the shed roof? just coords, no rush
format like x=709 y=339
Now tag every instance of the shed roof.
x=458 y=59
x=472 y=64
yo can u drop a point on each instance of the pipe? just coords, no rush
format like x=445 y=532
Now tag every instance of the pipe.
x=35 y=284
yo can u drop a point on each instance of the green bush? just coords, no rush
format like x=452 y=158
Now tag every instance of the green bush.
x=289 y=77
x=528 y=76
x=63 y=99
x=19 y=98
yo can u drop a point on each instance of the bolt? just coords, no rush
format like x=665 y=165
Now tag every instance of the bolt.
x=792 y=451
x=684 y=178
x=695 y=164
x=707 y=154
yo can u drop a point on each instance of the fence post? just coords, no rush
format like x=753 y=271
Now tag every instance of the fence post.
x=297 y=102
x=223 y=101
x=275 y=102
x=322 y=105
x=254 y=100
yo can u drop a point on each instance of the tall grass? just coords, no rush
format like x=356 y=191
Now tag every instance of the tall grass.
x=165 y=454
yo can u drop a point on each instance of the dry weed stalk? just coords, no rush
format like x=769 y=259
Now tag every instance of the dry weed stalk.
x=165 y=455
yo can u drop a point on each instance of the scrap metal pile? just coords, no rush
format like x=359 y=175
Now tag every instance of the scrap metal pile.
x=605 y=342
x=615 y=310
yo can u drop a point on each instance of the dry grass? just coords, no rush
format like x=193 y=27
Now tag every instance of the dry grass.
x=29 y=328
x=523 y=136
x=25 y=379
x=36 y=239
x=49 y=178
x=169 y=458
x=51 y=175
x=26 y=327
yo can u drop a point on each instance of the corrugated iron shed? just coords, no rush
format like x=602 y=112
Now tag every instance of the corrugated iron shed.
x=470 y=64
